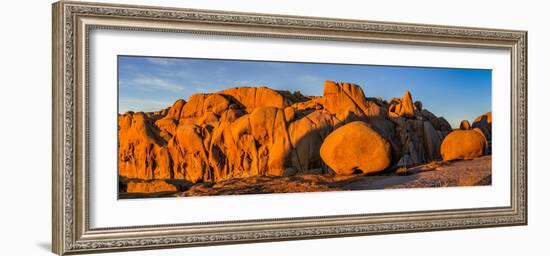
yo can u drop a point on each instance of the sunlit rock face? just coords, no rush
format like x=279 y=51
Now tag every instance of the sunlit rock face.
x=463 y=144
x=355 y=147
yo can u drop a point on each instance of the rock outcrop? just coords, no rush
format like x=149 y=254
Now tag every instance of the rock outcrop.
x=239 y=132
x=404 y=107
x=419 y=132
x=484 y=123
x=150 y=187
x=343 y=98
x=463 y=144
x=470 y=141
x=256 y=131
x=432 y=141
x=465 y=125
x=139 y=146
x=253 y=97
x=356 y=148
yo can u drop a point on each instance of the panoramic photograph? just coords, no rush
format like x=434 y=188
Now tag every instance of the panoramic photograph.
x=205 y=127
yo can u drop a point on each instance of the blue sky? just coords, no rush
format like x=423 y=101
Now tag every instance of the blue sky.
x=153 y=83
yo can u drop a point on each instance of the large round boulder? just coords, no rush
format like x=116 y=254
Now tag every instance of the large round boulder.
x=355 y=147
x=463 y=144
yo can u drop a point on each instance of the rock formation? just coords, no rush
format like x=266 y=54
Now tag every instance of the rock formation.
x=139 y=144
x=150 y=187
x=465 y=125
x=356 y=148
x=344 y=98
x=463 y=144
x=257 y=131
x=470 y=141
x=404 y=107
x=484 y=123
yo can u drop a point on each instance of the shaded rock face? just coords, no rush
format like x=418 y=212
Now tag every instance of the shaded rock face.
x=463 y=144
x=484 y=123
x=444 y=125
x=419 y=131
x=355 y=147
x=432 y=141
x=256 y=131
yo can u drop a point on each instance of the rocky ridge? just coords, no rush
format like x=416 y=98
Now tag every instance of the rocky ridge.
x=247 y=132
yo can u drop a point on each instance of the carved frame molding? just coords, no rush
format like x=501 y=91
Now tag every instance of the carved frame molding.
x=72 y=23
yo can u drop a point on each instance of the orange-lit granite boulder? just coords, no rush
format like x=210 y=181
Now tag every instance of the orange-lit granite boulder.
x=463 y=144
x=199 y=104
x=150 y=187
x=253 y=97
x=465 y=125
x=355 y=147
x=167 y=127
x=407 y=107
x=268 y=127
x=341 y=98
x=188 y=153
x=233 y=151
x=255 y=144
x=403 y=107
x=175 y=110
x=168 y=122
x=139 y=144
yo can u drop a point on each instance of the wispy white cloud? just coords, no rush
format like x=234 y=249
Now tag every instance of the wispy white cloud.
x=136 y=104
x=246 y=83
x=310 y=80
x=152 y=83
x=175 y=74
x=162 y=61
x=203 y=89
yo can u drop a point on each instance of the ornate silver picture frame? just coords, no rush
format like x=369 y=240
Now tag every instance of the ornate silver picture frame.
x=72 y=24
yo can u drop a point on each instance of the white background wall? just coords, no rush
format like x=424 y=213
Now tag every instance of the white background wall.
x=25 y=140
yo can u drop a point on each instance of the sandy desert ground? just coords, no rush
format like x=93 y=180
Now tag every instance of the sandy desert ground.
x=473 y=172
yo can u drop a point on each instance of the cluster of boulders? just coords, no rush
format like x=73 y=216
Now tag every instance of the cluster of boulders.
x=257 y=131
x=470 y=141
